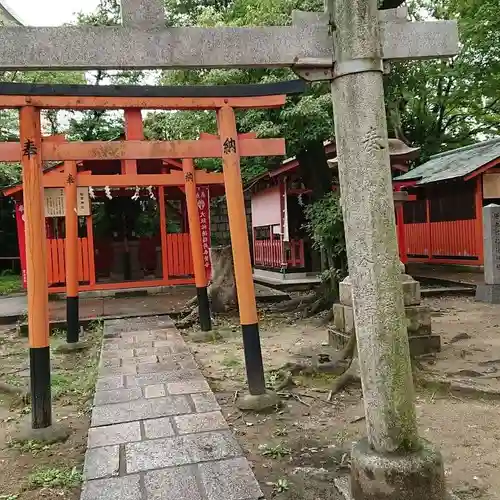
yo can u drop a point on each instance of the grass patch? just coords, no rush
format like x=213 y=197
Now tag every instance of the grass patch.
x=276 y=452
x=32 y=446
x=231 y=362
x=10 y=283
x=64 y=478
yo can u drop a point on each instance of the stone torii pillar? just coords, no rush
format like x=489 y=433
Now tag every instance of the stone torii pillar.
x=349 y=46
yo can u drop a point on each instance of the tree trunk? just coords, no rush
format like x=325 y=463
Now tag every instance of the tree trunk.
x=222 y=290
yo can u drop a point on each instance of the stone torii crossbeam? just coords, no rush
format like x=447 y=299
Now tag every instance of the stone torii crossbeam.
x=143 y=42
x=349 y=45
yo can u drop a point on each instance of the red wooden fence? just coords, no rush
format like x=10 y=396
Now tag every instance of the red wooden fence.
x=179 y=258
x=442 y=242
x=268 y=253
x=56 y=261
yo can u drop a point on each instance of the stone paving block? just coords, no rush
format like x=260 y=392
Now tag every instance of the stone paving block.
x=139 y=409
x=127 y=369
x=109 y=383
x=101 y=462
x=148 y=351
x=114 y=434
x=200 y=422
x=155 y=391
x=121 y=345
x=117 y=396
x=120 y=354
x=178 y=483
x=137 y=360
x=205 y=401
x=181 y=450
x=229 y=480
x=165 y=377
x=158 y=428
x=119 y=488
x=109 y=362
x=159 y=367
x=188 y=387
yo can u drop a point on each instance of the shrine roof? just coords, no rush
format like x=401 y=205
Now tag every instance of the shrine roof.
x=457 y=163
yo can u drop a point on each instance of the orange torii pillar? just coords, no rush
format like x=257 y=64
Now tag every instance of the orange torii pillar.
x=36 y=261
x=259 y=398
x=72 y=308
x=200 y=273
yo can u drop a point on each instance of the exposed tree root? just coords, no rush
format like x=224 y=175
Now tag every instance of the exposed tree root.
x=351 y=375
x=12 y=390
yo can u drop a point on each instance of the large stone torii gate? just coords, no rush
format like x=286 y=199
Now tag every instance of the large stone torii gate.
x=348 y=45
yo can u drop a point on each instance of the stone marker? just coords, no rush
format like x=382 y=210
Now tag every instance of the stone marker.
x=489 y=291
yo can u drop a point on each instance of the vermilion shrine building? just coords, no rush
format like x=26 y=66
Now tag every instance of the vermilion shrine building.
x=114 y=250
x=443 y=224
x=133 y=228
x=282 y=250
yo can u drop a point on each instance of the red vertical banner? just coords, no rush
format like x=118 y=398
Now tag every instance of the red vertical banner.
x=21 y=240
x=203 y=201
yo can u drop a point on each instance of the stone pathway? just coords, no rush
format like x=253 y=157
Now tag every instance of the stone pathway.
x=157 y=432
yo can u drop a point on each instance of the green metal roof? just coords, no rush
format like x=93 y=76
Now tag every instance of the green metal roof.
x=454 y=164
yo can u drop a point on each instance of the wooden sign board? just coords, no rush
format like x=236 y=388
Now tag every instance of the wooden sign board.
x=55 y=202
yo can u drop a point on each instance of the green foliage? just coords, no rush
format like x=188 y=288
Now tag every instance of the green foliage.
x=280 y=486
x=9 y=283
x=64 y=478
x=31 y=446
x=276 y=452
x=325 y=226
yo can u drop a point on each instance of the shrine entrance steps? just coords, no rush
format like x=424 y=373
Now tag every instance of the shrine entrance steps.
x=157 y=431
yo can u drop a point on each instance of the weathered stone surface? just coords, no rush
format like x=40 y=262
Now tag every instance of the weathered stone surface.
x=181 y=450
x=117 y=396
x=159 y=367
x=488 y=293
x=200 y=422
x=407 y=476
x=166 y=377
x=158 y=428
x=418 y=320
x=205 y=401
x=229 y=480
x=188 y=387
x=338 y=317
x=114 y=434
x=178 y=483
x=369 y=223
x=101 y=462
x=139 y=409
x=108 y=383
x=491 y=237
x=154 y=391
x=117 y=354
x=61 y=47
x=119 y=488
x=127 y=369
x=411 y=291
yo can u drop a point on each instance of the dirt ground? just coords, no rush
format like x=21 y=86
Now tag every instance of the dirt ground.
x=297 y=451
x=30 y=470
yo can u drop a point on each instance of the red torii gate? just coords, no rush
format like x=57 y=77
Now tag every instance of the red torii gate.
x=33 y=150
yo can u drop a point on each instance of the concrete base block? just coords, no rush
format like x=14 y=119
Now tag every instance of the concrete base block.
x=343 y=486
x=411 y=291
x=418 y=320
x=56 y=433
x=411 y=476
x=260 y=402
x=488 y=293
